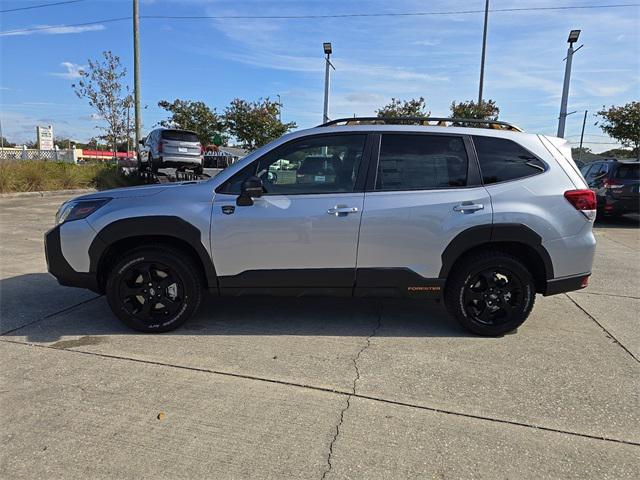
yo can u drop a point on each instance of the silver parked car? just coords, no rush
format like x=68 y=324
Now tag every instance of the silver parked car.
x=484 y=218
x=170 y=148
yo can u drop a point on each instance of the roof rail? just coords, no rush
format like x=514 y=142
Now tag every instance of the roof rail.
x=424 y=121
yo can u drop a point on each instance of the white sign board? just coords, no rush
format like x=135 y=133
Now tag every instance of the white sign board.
x=45 y=137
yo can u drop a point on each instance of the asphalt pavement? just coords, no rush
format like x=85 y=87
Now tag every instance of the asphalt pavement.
x=315 y=388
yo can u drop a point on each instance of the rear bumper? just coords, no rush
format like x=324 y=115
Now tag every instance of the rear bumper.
x=181 y=159
x=58 y=266
x=566 y=284
x=621 y=205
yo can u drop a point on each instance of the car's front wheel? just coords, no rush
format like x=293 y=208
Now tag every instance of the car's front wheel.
x=154 y=289
x=490 y=293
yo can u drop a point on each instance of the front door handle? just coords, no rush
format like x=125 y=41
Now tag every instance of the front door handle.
x=341 y=210
x=468 y=207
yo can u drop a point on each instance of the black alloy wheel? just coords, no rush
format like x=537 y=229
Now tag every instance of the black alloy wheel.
x=492 y=296
x=490 y=292
x=154 y=289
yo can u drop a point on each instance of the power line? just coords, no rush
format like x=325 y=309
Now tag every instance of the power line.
x=40 y=6
x=303 y=17
x=400 y=14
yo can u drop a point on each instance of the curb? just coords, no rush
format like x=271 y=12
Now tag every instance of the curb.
x=48 y=193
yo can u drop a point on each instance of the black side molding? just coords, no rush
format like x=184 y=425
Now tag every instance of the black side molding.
x=499 y=232
x=161 y=226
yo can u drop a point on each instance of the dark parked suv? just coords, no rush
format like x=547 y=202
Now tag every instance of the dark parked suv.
x=615 y=184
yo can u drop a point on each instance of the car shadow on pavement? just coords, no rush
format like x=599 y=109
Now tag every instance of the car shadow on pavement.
x=624 y=221
x=269 y=316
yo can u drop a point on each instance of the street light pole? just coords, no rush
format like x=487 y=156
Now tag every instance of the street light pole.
x=484 y=51
x=562 y=119
x=327 y=51
x=136 y=71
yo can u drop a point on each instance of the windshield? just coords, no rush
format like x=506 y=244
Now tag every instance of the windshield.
x=179 y=135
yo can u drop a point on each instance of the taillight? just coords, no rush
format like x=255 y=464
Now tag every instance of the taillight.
x=583 y=201
x=160 y=145
x=611 y=183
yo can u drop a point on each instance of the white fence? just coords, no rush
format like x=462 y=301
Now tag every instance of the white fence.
x=56 y=155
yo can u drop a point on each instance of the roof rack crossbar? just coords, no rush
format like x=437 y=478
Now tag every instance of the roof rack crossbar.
x=426 y=121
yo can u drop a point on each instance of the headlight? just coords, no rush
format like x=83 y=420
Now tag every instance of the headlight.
x=77 y=209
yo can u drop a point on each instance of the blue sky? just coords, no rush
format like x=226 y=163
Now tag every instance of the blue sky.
x=376 y=58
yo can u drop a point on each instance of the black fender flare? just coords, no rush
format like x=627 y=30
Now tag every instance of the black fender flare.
x=487 y=234
x=155 y=225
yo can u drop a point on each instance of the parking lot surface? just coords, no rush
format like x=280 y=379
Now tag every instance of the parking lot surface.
x=315 y=388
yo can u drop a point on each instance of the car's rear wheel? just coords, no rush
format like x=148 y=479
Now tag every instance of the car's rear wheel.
x=490 y=293
x=154 y=289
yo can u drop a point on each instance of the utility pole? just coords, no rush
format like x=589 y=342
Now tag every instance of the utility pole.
x=584 y=121
x=562 y=119
x=484 y=51
x=327 y=50
x=136 y=70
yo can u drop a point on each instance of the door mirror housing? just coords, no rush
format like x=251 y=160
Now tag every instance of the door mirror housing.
x=141 y=141
x=251 y=188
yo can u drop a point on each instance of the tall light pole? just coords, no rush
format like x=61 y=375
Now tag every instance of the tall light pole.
x=562 y=119
x=136 y=72
x=327 y=50
x=484 y=51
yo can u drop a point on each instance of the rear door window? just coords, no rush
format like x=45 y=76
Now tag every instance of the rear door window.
x=628 y=171
x=179 y=136
x=421 y=162
x=502 y=159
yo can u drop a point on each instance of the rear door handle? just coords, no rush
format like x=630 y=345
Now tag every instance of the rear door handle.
x=468 y=207
x=341 y=210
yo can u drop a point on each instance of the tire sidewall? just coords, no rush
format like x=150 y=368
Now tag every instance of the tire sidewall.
x=191 y=286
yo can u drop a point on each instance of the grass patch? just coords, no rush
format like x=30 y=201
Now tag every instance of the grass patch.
x=38 y=175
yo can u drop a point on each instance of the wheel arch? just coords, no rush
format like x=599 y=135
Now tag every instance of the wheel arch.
x=515 y=239
x=123 y=235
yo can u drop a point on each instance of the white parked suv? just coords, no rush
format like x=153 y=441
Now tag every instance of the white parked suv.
x=477 y=213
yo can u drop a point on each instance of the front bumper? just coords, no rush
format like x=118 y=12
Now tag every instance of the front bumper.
x=58 y=266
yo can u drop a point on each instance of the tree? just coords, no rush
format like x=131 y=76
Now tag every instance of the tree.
x=618 y=153
x=7 y=144
x=623 y=124
x=101 y=84
x=487 y=110
x=407 y=108
x=255 y=124
x=195 y=116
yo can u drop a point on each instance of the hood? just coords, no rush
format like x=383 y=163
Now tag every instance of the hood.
x=134 y=192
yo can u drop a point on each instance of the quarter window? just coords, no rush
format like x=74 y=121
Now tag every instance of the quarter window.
x=502 y=159
x=326 y=164
x=421 y=162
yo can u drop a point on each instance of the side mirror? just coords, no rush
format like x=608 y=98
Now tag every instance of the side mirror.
x=141 y=141
x=251 y=188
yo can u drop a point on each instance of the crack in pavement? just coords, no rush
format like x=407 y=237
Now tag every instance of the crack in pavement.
x=353 y=391
x=335 y=391
x=51 y=315
x=607 y=332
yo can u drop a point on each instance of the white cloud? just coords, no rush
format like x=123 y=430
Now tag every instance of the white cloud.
x=73 y=71
x=426 y=43
x=53 y=30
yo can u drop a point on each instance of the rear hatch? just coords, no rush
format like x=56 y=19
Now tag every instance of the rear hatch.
x=625 y=183
x=180 y=143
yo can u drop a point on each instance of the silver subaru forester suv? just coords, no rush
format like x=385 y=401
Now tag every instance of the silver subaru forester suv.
x=479 y=214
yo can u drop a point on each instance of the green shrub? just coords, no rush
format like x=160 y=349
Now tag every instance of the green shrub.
x=37 y=175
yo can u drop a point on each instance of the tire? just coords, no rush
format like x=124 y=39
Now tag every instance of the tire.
x=490 y=293
x=144 y=278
